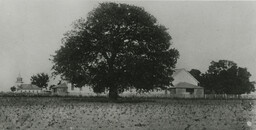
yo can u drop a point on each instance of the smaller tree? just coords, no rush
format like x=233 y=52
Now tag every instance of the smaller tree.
x=226 y=77
x=13 y=88
x=41 y=80
x=197 y=74
x=201 y=77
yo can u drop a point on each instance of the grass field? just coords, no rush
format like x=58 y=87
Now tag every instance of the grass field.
x=55 y=113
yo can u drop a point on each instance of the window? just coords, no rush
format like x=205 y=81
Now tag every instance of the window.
x=72 y=87
x=190 y=90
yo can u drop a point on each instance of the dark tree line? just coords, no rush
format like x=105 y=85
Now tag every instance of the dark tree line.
x=225 y=77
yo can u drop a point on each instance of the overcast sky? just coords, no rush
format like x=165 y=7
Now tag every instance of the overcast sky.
x=31 y=30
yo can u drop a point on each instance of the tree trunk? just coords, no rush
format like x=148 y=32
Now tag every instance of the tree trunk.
x=113 y=93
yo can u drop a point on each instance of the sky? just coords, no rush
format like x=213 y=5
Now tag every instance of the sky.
x=202 y=31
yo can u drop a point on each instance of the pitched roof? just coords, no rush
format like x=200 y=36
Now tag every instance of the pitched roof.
x=28 y=87
x=177 y=71
x=63 y=85
x=186 y=85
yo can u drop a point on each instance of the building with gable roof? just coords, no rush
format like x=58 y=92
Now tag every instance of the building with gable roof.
x=61 y=89
x=28 y=88
x=185 y=85
x=66 y=88
x=181 y=75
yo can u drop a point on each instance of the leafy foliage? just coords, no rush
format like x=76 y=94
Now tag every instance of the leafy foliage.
x=41 y=80
x=13 y=88
x=116 y=47
x=197 y=74
x=51 y=86
x=225 y=77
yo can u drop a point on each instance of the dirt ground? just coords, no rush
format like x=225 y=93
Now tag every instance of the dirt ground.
x=50 y=113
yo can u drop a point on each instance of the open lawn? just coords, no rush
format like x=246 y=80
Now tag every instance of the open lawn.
x=55 y=113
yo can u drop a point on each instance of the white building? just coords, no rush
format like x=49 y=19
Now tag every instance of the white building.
x=60 y=89
x=83 y=91
x=66 y=88
x=181 y=75
x=185 y=85
x=28 y=88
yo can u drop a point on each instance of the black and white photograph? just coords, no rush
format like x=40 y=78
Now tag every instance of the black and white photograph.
x=127 y=65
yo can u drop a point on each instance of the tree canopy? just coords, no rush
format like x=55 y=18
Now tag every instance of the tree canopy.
x=118 y=46
x=225 y=77
x=196 y=74
x=13 y=88
x=41 y=80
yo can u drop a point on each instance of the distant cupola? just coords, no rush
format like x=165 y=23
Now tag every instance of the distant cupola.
x=19 y=80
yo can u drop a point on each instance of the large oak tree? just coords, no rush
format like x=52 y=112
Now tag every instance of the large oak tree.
x=118 y=46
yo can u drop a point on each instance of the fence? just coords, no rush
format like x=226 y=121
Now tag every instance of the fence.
x=186 y=96
x=152 y=95
x=229 y=96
